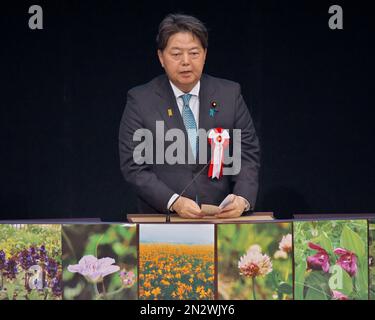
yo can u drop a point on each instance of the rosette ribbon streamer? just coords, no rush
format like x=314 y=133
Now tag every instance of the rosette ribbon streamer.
x=219 y=140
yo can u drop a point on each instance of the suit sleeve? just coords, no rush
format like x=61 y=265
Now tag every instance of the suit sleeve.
x=152 y=190
x=246 y=181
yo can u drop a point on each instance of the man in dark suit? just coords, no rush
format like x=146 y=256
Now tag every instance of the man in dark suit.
x=185 y=98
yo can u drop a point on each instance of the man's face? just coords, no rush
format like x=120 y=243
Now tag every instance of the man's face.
x=183 y=60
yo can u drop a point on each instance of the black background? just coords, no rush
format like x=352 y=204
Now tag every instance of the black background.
x=309 y=88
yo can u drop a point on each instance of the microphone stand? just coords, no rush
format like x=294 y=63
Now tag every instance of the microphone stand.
x=168 y=218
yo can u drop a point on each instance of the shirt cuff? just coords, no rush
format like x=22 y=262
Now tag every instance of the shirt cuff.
x=247 y=208
x=171 y=201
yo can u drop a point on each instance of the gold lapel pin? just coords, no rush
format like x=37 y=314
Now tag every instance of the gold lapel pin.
x=170 y=112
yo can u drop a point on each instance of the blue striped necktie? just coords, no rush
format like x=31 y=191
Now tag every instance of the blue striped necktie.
x=189 y=122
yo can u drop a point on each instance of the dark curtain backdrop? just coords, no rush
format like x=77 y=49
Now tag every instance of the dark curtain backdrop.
x=310 y=91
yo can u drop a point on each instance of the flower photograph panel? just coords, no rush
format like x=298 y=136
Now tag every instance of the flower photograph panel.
x=176 y=262
x=255 y=261
x=331 y=260
x=30 y=262
x=371 y=258
x=99 y=262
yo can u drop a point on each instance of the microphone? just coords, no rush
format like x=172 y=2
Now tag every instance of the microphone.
x=168 y=218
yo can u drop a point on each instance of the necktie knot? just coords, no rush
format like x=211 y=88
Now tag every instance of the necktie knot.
x=186 y=98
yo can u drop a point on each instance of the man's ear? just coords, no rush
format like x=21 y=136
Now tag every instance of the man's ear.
x=160 y=55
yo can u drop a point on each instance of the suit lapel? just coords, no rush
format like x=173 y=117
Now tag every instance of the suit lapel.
x=169 y=109
x=206 y=122
x=205 y=100
x=164 y=90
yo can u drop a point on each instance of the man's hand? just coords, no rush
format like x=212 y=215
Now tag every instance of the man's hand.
x=234 y=209
x=187 y=208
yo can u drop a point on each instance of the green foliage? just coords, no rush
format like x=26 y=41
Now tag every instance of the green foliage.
x=299 y=280
x=350 y=235
x=316 y=287
x=372 y=258
x=351 y=241
x=16 y=238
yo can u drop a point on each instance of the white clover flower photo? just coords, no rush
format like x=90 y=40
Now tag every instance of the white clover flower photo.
x=255 y=261
x=99 y=262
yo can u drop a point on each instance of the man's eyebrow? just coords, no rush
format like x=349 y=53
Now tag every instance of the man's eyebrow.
x=179 y=48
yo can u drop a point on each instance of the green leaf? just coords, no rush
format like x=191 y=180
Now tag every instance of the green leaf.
x=299 y=280
x=347 y=284
x=71 y=292
x=105 y=238
x=351 y=241
x=317 y=286
x=271 y=280
x=10 y=290
x=324 y=242
x=361 y=279
x=314 y=294
x=126 y=232
x=119 y=249
x=67 y=275
x=91 y=245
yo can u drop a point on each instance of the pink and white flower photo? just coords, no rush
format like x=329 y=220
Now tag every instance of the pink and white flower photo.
x=255 y=261
x=99 y=262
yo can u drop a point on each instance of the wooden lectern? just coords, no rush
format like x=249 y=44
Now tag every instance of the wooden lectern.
x=174 y=218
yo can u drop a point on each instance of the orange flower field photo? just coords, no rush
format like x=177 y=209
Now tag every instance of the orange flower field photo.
x=176 y=270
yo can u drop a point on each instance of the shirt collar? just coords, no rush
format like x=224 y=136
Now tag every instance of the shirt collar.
x=178 y=93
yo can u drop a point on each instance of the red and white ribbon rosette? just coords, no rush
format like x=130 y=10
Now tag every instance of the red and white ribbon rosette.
x=219 y=140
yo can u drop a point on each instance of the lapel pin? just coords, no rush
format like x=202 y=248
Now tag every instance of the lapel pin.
x=213 y=109
x=170 y=112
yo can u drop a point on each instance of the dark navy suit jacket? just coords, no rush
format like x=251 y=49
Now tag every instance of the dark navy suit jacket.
x=156 y=183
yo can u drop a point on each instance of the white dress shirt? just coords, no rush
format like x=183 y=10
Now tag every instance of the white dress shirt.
x=194 y=100
x=194 y=106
